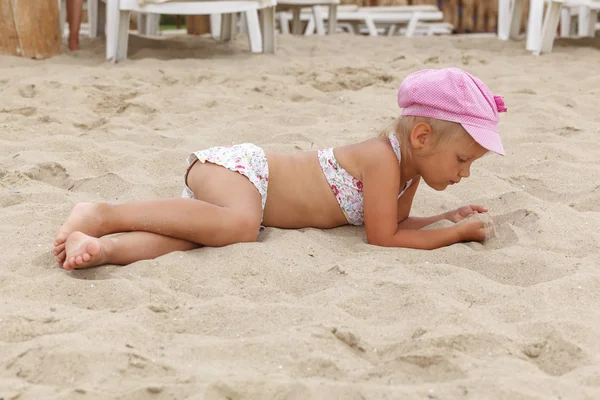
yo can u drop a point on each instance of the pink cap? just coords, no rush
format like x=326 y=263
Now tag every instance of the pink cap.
x=454 y=95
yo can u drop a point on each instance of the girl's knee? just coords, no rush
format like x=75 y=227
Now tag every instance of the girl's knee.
x=246 y=228
x=237 y=227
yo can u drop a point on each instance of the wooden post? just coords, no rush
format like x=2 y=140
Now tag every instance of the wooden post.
x=30 y=28
x=467 y=20
x=450 y=10
x=197 y=24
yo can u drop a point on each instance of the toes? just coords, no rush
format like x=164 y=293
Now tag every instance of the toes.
x=60 y=239
x=60 y=258
x=59 y=249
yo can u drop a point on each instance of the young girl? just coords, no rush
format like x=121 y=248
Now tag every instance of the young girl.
x=449 y=120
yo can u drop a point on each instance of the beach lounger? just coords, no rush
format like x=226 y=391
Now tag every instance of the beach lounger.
x=261 y=31
x=376 y=20
x=541 y=28
x=316 y=9
x=585 y=15
x=588 y=18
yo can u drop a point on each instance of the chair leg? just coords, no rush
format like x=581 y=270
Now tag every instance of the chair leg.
x=412 y=25
x=267 y=22
x=391 y=30
x=534 y=23
x=549 y=28
x=141 y=23
x=123 y=37
x=234 y=24
x=586 y=27
x=92 y=9
x=243 y=24
x=101 y=18
x=565 y=22
x=215 y=25
x=112 y=29
x=226 y=21
x=296 y=23
x=254 y=35
x=311 y=28
x=318 y=17
x=593 y=21
x=332 y=23
x=515 y=19
x=370 y=26
x=152 y=24
x=284 y=23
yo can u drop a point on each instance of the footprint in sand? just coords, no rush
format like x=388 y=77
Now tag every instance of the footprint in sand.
x=27 y=91
x=537 y=188
x=108 y=186
x=51 y=173
x=134 y=108
x=92 y=125
x=347 y=78
x=522 y=218
x=589 y=202
x=407 y=359
x=24 y=111
x=555 y=355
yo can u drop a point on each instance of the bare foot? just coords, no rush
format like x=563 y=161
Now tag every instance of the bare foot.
x=74 y=43
x=84 y=217
x=83 y=251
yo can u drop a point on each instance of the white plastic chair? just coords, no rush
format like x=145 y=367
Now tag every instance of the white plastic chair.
x=509 y=21
x=297 y=5
x=588 y=17
x=148 y=24
x=261 y=40
x=541 y=28
x=371 y=17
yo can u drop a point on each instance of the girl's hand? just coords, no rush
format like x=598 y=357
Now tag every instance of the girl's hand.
x=473 y=231
x=464 y=212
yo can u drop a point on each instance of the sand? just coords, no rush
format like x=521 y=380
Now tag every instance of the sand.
x=307 y=314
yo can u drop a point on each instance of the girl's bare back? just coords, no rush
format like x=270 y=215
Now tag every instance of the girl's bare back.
x=299 y=195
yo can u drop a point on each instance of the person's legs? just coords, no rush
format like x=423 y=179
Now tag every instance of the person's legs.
x=122 y=249
x=74 y=10
x=227 y=210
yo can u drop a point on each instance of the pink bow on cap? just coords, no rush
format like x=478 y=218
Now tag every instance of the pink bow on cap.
x=500 y=104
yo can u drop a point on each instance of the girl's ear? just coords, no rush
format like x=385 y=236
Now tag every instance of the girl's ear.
x=420 y=136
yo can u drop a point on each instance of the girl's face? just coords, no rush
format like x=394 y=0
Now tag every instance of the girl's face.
x=448 y=164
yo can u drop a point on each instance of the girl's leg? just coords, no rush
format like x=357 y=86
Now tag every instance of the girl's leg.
x=227 y=210
x=84 y=251
x=74 y=10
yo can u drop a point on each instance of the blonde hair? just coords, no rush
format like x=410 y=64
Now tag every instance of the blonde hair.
x=444 y=131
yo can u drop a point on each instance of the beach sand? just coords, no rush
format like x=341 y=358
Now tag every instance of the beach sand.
x=306 y=314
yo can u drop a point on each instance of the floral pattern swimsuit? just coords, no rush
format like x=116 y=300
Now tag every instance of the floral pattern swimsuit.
x=248 y=159
x=347 y=189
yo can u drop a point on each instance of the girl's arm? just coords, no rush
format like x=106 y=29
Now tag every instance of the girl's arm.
x=404 y=206
x=381 y=210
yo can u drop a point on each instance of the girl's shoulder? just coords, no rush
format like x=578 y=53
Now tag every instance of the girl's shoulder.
x=378 y=149
x=373 y=154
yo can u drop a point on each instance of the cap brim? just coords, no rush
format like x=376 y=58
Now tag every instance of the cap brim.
x=487 y=138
